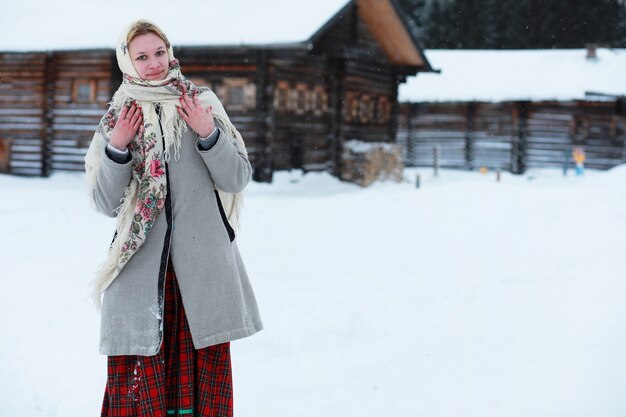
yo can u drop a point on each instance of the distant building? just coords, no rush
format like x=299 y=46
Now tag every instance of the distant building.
x=513 y=110
x=295 y=103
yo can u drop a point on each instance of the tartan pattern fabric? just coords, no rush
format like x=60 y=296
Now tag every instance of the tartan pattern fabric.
x=178 y=381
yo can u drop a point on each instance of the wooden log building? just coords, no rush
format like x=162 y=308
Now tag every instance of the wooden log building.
x=295 y=104
x=513 y=135
x=513 y=110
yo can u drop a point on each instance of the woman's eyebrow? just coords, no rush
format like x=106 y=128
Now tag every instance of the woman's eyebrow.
x=156 y=50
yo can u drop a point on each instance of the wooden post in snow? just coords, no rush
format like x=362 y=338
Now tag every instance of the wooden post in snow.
x=436 y=152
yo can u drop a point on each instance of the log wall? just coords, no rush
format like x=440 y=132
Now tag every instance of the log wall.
x=81 y=88
x=512 y=135
x=295 y=104
x=23 y=113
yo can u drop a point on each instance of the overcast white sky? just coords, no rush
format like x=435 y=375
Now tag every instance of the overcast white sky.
x=69 y=24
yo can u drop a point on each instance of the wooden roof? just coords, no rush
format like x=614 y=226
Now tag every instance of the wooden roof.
x=388 y=25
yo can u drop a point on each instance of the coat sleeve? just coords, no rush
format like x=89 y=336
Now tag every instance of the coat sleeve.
x=226 y=161
x=111 y=181
x=228 y=164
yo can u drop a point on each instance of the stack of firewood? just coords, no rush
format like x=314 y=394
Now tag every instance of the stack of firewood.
x=366 y=162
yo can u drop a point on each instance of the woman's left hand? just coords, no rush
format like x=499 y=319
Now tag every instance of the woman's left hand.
x=199 y=119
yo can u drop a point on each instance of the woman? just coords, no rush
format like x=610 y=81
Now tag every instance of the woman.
x=168 y=163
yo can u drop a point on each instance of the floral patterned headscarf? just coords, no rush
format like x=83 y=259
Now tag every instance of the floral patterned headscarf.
x=145 y=196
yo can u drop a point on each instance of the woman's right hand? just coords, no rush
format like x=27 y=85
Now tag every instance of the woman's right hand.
x=129 y=122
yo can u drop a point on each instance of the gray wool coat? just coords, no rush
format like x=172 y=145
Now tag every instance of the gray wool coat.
x=192 y=233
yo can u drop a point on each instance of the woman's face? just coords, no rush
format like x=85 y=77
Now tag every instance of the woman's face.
x=149 y=56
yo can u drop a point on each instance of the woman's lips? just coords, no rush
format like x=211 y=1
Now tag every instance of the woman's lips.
x=155 y=74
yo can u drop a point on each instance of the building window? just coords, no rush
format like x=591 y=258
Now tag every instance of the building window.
x=301 y=98
x=84 y=91
x=301 y=102
x=365 y=109
x=237 y=94
x=351 y=107
x=384 y=109
x=320 y=100
x=362 y=108
x=281 y=97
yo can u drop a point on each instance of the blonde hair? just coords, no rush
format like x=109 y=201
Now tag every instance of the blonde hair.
x=142 y=27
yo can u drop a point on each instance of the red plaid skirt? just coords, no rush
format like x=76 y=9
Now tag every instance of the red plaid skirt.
x=178 y=381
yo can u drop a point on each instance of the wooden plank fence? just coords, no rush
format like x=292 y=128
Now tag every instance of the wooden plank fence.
x=512 y=136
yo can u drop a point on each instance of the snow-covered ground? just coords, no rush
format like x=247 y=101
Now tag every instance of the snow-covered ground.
x=463 y=298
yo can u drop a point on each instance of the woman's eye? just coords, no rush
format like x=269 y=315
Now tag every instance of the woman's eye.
x=160 y=53
x=141 y=58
